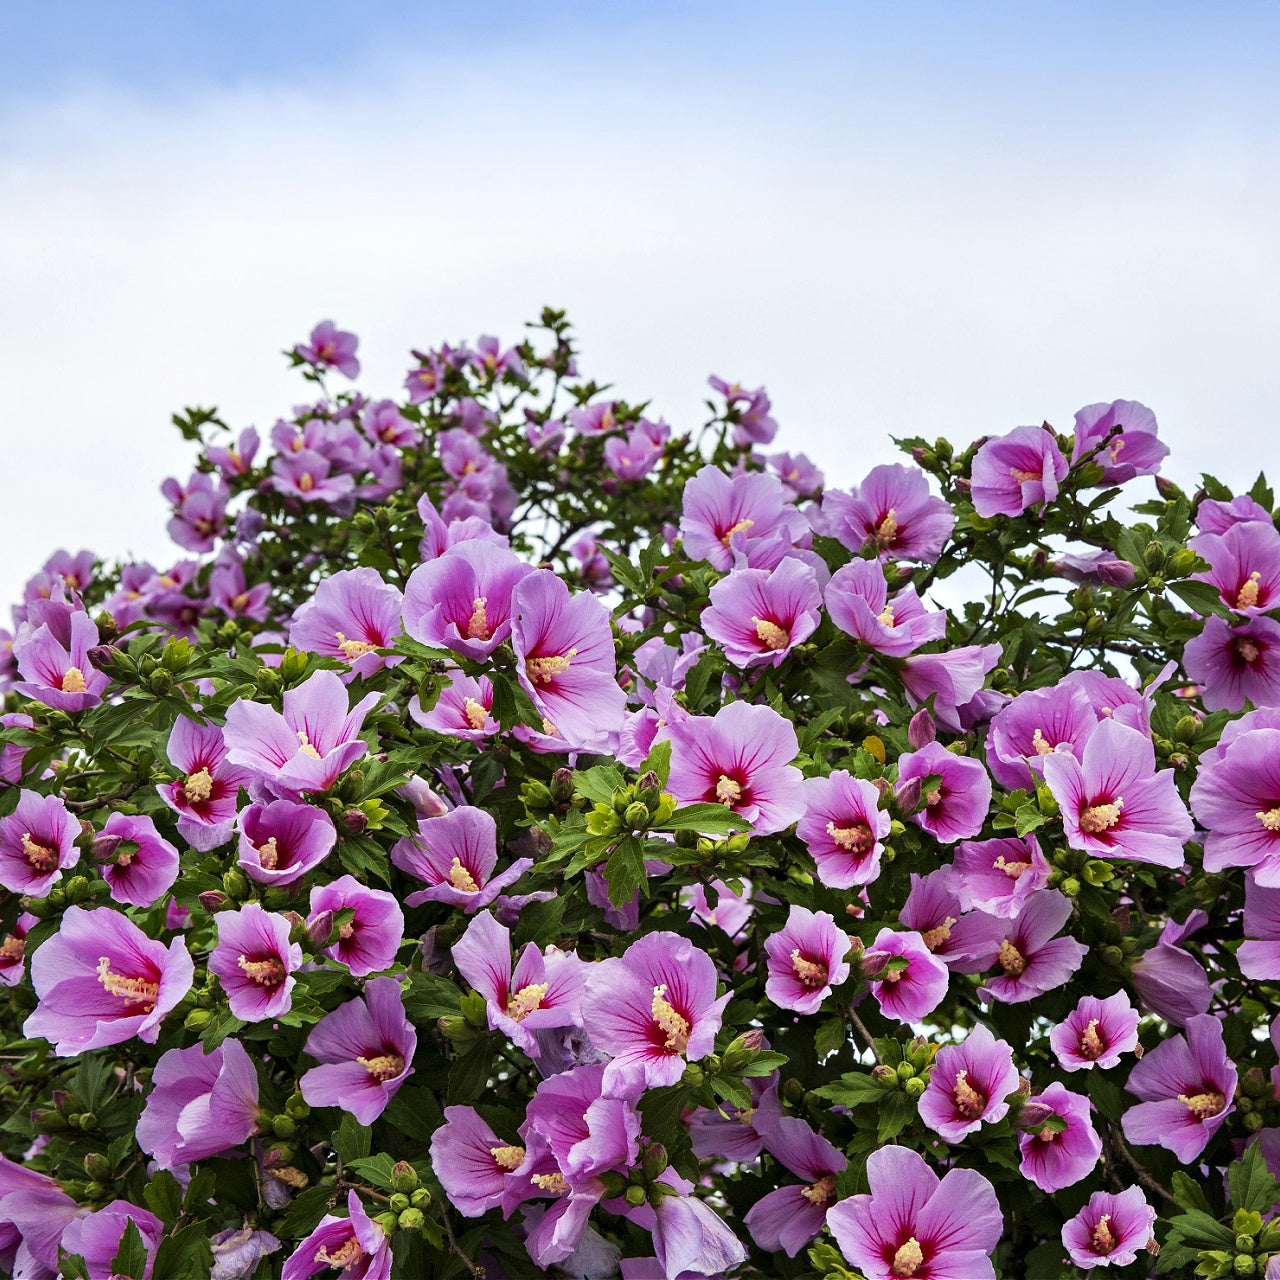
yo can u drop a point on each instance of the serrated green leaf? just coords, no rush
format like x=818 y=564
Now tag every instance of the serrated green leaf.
x=1251 y=1185
x=352 y=1140
x=896 y=1112
x=624 y=873
x=765 y=1063
x=375 y=1170
x=832 y=1034
x=707 y=819
x=163 y=1194
x=131 y=1256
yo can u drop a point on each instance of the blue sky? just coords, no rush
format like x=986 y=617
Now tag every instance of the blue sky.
x=912 y=218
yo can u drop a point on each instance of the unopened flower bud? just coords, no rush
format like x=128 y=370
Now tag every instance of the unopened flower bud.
x=320 y=928
x=693 y=1075
x=921 y=730
x=212 y=900
x=1253 y=1083
x=421 y=1198
x=909 y=795
x=884 y=1077
x=97 y=1166
x=1112 y=956
x=388 y=1222
x=1034 y=1114
x=635 y=1196
x=536 y=796
x=562 y=786
x=915 y=1087
x=353 y=822
x=284 y=1127
x=236 y=884
x=636 y=816
x=404 y=1177
x=398 y=1202
x=411 y=1219
x=655 y=1160
x=873 y=963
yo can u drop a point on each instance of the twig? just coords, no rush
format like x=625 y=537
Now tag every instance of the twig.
x=1143 y=1176
x=456 y=1249
x=865 y=1034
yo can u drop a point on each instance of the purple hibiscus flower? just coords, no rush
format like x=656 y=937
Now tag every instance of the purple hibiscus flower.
x=1259 y=954
x=369 y=941
x=1236 y=664
x=999 y=876
x=586 y=1132
x=1033 y=726
x=757 y=616
x=565 y=659
x=957 y=807
x=1031 y=957
x=281 y=841
x=462 y=599
x=740 y=758
x=915 y=1224
x=963 y=940
x=255 y=961
x=1169 y=980
x=365 y=1048
x=749 y=514
x=907 y=979
x=1017 y=471
x=96 y=1237
x=100 y=981
x=1096 y=1032
x=1054 y=1157
x=463 y=709
x=1114 y=804
x=1133 y=451
x=355 y=1245
x=352 y=615
x=1110 y=1230
x=857 y=598
x=791 y=1216
x=954 y=680
x=473 y=1164
x=138 y=864
x=806 y=958
x=308 y=746
x=37 y=841
x=1186 y=1084
x=200 y=1104
x=1244 y=565
x=205 y=799
x=1236 y=797
x=654 y=1008
x=53 y=660
x=844 y=828
x=892 y=512
x=456 y=854
x=969 y=1086
x=331 y=348
x=541 y=991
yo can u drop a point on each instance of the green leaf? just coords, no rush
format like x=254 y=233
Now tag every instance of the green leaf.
x=658 y=761
x=470 y=1073
x=1251 y=1185
x=72 y=1266
x=1028 y=818
x=895 y=1114
x=163 y=1194
x=1187 y=1192
x=1204 y=598
x=708 y=819
x=304 y=1214
x=375 y=1170
x=765 y=1063
x=624 y=873
x=185 y=1252
x=1203 y=1231
x=353 y=1139
x=131 y=1256
x=599 y=784
x=852 y=1090
x=831 y=1035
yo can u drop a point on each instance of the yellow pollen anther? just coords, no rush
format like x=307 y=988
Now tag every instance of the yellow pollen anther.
x=478 y=623
x=1013 y=870
x=728 y=792
x=906 y=1262
x=549 y=729
x=461 y=878
x=1092 y=1044
x=385 y=1066
x=353 y=649
x=812 y=973
x=1248 y=649
x=305 y=482
x=1247 y=596
x=540 y=670
x=855 y=838
x=1103 y=1238
x=1271 y=819
x=526 y=1001
x=935 y=937
x=475 y=713
x=821 y=1192
x=344 y=1257
x=198 y=786
x=1047 y=1135
x=1041 y=744
x=73 y=680
x=40 y=856
x=1012 y=961
x=11 y=948
x=269 y=855
x=741 y=527
x=887 y=530
x=668 y=1020
x=305 y=748
x=1101 y=817
x=970 y=1102
x=1023 y=476
x=508 y=1158
x=886 y=615
x=934 y=797
x=130 y=990
x=553 y=1182
x=1203 y=1105
x=268 y=972
x=770 y=634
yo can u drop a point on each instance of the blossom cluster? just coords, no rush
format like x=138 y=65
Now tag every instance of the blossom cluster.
x=525 y=837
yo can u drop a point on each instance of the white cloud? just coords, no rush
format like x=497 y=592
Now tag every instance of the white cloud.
x=880 y=275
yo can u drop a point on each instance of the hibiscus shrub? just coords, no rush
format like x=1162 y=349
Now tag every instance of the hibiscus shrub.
x=526 y=837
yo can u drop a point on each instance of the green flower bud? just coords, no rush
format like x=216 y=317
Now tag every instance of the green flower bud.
x=267 y=682
x=905 y=1071
x=97 y=1167
x=284 y=1127
x=420 y=1198
x=1254 y=1121
x=1245 y=1244
x=536 y=796
x=95 y=1191
x=297 y=1106
x=1112 y=956
x=693 y=1075
x=655 y=1160
x=86 y=1122
x=636 y=816
x=388 y=1222
x=1154 y=557
x=635 y=1196
x=1187 y=730
x=915 y=1087
x=404 y=1177
x=398 y=1202
x=884 y=1077
x=1071 y=887
x=1245 y=1264
x=1097 y=873
x=235 y=884
x=562 y=786
x=411 y=1220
